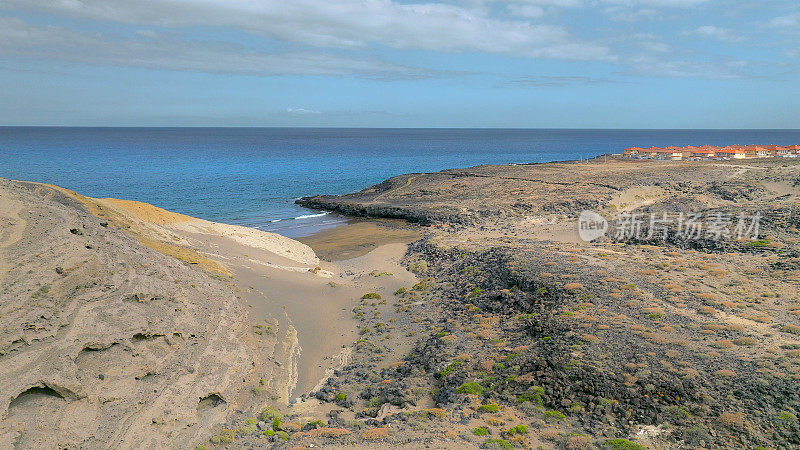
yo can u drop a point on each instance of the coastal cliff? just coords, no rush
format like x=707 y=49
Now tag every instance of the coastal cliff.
x=109 y=337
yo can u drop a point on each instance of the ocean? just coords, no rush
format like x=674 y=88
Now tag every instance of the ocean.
x=251 y=176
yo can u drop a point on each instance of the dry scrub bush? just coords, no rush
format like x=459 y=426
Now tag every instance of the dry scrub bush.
x=730 y=419
x=760 y=318
x=577 y=443
x=324 y=432
x=375 y=433
x=590 y=338
x=549 y=434
x=722 y=344
x=573 y=286
x=793 y=329
x=745 y=341
x=706 y=310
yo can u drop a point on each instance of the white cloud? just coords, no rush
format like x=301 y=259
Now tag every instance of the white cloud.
x=623 y=14
x=550 y=81
x=716 y=33
x=655 y=47
x=657 y=3
x=531 y=11
x=719 y=70
x=19 y=39
x=301 y=111
x=553 y=3
x=345 y=24
x=792 y=20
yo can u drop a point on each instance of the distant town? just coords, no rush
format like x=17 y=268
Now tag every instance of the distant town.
x=712 y=152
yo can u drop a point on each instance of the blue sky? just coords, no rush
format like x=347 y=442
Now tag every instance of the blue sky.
x=383 y=63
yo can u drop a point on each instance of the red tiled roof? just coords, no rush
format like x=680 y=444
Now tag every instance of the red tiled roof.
x=732 y=149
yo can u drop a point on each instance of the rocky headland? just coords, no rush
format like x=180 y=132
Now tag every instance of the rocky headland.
x=522 y=334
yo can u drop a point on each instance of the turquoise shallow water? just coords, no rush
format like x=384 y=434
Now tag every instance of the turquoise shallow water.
x=251 y=176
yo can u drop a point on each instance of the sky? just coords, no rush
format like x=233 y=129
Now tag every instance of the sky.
x=384 y=63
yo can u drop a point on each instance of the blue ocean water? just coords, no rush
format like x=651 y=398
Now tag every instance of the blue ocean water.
x=251 y=176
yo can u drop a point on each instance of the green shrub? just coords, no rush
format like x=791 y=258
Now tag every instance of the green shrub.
x=491 y=407
x=787 y=417
x=497 y=444
x=340 y=397
x=224 y=437
x=269 y=414
x=471 y=387
x=371 y=295
x=449 y=369
x=622 y=444
x=423 y=285
x=519 y=429
x=317 y=423
x=554 y=415
x=418 y=266
x=282 y=435
x=533 y=395
x=248 y=429
x=480 y=431
x=758 y=243
x=269 y=433
x=677 y=413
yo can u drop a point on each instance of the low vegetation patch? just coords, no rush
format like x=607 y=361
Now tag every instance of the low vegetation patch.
x=471 y=387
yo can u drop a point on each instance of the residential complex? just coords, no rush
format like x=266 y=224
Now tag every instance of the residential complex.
x=713 y=152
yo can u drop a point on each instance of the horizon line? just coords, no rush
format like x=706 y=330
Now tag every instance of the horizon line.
x=390 y=128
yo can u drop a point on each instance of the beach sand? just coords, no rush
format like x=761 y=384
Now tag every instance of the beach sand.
x=314 y=300
x=359 y=238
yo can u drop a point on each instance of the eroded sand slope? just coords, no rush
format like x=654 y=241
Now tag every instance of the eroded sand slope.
x=106 y=342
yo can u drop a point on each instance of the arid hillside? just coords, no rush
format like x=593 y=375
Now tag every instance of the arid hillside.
x=526 y=335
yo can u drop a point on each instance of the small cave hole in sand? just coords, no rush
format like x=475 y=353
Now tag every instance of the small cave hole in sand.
x=34 y=397
x=208 y=402
x=139 y=337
